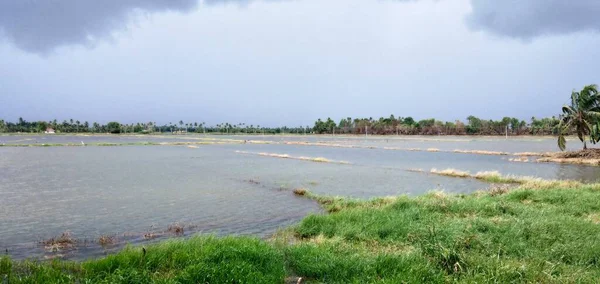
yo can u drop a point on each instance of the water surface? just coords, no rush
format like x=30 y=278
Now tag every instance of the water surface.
x=130 y=191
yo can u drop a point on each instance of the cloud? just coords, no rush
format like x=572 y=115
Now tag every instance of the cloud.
x=39 y=26
x=527 y=19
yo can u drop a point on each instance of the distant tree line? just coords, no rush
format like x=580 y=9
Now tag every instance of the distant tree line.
x=580 y=117
x=409 y=126
x=76 y=126
x=382 y=126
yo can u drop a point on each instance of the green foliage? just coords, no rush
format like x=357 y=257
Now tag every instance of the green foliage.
x=197 y=260
x=408 y=126
x=113 y=127
x=324 y=126
x=595 y=133
x=427 y=122
x=582 y=115
x=521 y=236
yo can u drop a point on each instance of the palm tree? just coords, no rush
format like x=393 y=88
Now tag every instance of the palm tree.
x=583 y=112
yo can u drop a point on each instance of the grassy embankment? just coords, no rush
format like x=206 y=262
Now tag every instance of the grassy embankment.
x=541 y=231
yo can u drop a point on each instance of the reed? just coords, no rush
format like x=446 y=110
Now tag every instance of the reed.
x=481 y=152
x=451 y=173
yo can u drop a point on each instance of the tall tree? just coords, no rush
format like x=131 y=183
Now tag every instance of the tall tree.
x=581 y=115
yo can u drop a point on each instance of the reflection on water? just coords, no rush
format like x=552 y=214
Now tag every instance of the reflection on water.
x=135 y=190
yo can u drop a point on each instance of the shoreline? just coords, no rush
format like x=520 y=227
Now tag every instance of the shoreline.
x=376 y=240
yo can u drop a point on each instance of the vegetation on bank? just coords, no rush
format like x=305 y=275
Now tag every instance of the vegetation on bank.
x=381 y=126
x=359 y=126
x=537 y=232
x=196 y=260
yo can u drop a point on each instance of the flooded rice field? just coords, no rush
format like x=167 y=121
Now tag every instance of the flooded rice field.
x=227 y=185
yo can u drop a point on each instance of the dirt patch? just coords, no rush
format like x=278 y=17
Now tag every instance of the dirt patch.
x=583 y=157
x=578 y=161
x=582 y=154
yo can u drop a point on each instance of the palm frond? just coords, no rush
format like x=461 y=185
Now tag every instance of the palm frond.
x=562 y=142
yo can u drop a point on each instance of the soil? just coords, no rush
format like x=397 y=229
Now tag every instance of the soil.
x=593 y=153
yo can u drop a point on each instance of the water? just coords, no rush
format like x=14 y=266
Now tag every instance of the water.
x=130 y=191
x=446 y=143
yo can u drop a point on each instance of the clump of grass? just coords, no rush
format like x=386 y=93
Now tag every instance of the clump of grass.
x=579 y=161
x=108 y=144
x=107 y=240
x=533 y=154
x=489 y=175
x=541 y=184
x=300 y=191
x=63 y=242
x=320 y=160
x=522 y=159
x=496 y=177
x=451 y=173
x=438 y=194
x=151 y=235
x=499 y=189
x=286 y=156
x=481 y=152
x=176 y=229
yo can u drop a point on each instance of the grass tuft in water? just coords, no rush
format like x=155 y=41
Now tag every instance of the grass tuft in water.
x=107 y=240
x=176 y=229
x=300 y=191
x=63 y=242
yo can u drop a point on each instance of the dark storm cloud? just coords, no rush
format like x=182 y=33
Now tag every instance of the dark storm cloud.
x=527 y=19
x=41 y=25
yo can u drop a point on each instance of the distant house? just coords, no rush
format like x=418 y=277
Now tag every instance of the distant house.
x=49 y=131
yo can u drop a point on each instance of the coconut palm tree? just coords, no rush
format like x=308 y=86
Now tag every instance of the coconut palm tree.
x=581 y=115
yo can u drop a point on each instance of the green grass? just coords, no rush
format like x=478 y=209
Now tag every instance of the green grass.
x=546 y=232
x=525 y=235
x=196 y=260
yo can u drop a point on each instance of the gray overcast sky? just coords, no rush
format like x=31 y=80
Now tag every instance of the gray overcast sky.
x=290 y=62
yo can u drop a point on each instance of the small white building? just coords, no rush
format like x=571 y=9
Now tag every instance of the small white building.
x=49 y=131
